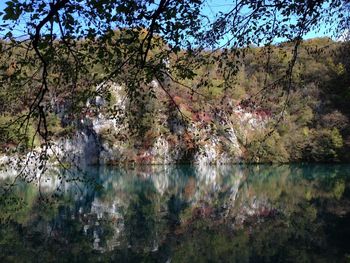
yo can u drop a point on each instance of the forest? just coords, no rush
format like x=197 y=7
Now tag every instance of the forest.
x=164 y=82
x=307 y=122
x=174 y=131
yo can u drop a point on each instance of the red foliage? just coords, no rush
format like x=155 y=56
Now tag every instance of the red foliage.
x=202 y=211
x=144 y=158
x=202 y=117
x=263 y=113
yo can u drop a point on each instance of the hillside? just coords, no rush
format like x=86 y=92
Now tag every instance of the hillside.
x=254 y=115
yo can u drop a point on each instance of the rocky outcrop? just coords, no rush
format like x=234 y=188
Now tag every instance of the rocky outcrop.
x=105 y=133
x=206 y=138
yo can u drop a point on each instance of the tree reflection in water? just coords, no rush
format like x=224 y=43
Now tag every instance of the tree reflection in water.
x=296 y=213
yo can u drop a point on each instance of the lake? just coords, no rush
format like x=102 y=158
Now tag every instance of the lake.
x=233 y=213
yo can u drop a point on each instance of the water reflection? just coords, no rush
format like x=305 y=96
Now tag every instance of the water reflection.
x=296 y=213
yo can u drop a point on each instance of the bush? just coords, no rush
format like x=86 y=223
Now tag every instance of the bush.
x=324 y=145
x=15 y=135
x=269 y=149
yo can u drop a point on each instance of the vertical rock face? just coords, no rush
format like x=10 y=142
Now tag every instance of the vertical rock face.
x=91 y=147
x=208 y=138
x=162 y=152
x=83 y=148
x=218 y=146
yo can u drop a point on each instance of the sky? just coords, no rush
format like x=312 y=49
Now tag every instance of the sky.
x=211 y=7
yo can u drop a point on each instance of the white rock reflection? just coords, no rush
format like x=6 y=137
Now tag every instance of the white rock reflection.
x=138 y=206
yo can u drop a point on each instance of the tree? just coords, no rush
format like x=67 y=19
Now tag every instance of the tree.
x=70 y=46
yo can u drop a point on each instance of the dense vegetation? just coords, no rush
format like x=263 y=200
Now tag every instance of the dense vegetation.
x=125 y=82
x=307 y=115
x=185 y=77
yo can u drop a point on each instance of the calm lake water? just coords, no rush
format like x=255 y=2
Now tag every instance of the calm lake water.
x=262 y=213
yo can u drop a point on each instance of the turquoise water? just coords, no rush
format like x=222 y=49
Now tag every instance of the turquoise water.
x=256 y=213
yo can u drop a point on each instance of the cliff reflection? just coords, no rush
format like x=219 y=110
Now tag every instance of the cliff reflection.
x=185 y=213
